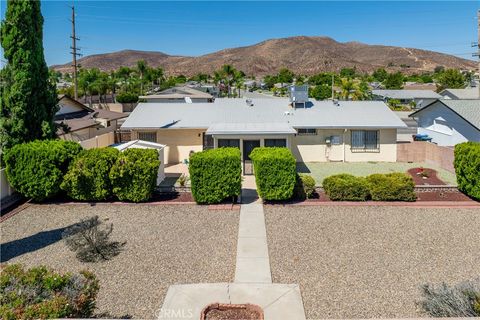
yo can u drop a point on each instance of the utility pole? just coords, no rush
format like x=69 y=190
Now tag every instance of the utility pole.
x=74 y=53
x=477 y=54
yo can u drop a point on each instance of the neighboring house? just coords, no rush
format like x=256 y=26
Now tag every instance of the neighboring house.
x=207 y=88
x=315 y=131
x=419 y=86
x=449 y=122
x=456 y=94
x=421 y=98
x=179 y=95
x=78 y=122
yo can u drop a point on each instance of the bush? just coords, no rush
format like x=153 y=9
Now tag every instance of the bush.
x=275 y=172
x=87 y=178
x=215 y=175
x=36 y=169
x=461 y=300
x=42 y=293
x=134 y=174
x=89 y=242
x=346 y=187
x=467 y=168
x=304 y=187
x=391 y=187
x=126 y=97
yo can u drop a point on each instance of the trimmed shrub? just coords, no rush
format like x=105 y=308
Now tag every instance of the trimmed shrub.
x=304 y=187
x=134 y=174
x=346 y=187
x=126 y=97
x=36 y=169
x=460 y=300
x=275 y=172
x=215 y=175
x=40 y=293
x=87 y=178
x=467 y=168
x=395 y=186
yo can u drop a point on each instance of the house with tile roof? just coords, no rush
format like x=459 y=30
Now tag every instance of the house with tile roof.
x=449 y=122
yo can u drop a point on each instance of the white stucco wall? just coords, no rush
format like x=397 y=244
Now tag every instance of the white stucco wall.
x=445 y=127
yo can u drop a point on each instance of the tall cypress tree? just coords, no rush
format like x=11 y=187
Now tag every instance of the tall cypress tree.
x=28 y=99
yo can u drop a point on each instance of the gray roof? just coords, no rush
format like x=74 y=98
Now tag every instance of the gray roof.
x=318 y=114
x=467 y=93
x=407 y=94
x=251 y=128
x=178 y=93
x=467 y=109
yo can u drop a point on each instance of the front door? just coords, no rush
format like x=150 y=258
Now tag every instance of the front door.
x=248 y=146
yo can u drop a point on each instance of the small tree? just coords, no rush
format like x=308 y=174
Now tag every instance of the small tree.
x=394 y=81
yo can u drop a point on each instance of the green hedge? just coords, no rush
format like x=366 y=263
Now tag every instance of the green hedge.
x=467 y=168
x=275 y=172
x=36 y=169
x=134 y=175
x=40 y=293
x=126 y=97
x=395 y=186
x=346 y=187
x=304 y=187
x=87 y=178
x=215 y=175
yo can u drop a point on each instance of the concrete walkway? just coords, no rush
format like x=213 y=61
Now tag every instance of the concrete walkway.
x=253 y=264
x=253 y=280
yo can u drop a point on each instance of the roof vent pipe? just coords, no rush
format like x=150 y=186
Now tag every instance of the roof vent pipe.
x=249 y=102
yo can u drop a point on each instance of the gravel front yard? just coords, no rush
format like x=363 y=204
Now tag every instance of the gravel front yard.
x=363 y=262
x=165 y=245
x=321 y=170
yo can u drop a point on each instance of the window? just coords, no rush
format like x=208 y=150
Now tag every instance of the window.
x=306 y=132
x=229 y=143
x=335 y=140
x=207 y=141
x=275 y=142
x=148 y=136
x=365 y=141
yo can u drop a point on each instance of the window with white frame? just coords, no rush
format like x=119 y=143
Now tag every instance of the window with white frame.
x=306 y=131
x=365 y=141
x=148 y=136
x=275 y=142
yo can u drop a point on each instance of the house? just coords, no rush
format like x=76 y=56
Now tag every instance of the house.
x=419 y=86
x=421 y=98
x=449 y=122
x=78 y=122
x=179 y=95
x=207 y=88
x=467 y=93
x=351 y=131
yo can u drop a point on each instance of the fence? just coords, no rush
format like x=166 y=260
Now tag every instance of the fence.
x=5 y=189
x=100 y=141
x=421 y=151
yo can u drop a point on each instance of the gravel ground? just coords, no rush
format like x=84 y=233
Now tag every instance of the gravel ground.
x=321 y=170
x=364 y=262
x=165 y=245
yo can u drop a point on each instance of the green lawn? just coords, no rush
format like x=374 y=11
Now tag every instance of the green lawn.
x=321 y=170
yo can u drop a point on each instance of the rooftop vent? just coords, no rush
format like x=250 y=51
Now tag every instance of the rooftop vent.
x=249 y=102
x=335 y=102
x=188 y=100
x=298 y=95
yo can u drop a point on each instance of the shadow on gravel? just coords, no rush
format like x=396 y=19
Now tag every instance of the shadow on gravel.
x=16 y=248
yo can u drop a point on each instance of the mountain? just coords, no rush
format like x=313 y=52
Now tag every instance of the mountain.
x=303 y=55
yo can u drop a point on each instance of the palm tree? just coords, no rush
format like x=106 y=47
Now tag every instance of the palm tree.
x=347 y=87
x=239 y=81
x=141 y=68
x=229 y=74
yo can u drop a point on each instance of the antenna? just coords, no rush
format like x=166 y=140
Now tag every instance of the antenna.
x=74 y=53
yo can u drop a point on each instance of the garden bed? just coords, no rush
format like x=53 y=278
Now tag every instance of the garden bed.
x=425 y=177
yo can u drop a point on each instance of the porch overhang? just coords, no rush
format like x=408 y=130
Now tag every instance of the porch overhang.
x=256 y=128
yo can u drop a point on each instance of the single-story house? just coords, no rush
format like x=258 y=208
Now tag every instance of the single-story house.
x=421 y=98
x=140 y=144
x=79 y=122
x=179 y=95
x=462 y=94
x=449 y=122
x=314 y=131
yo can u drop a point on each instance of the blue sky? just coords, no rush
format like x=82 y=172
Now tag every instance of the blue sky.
x=195 y=28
